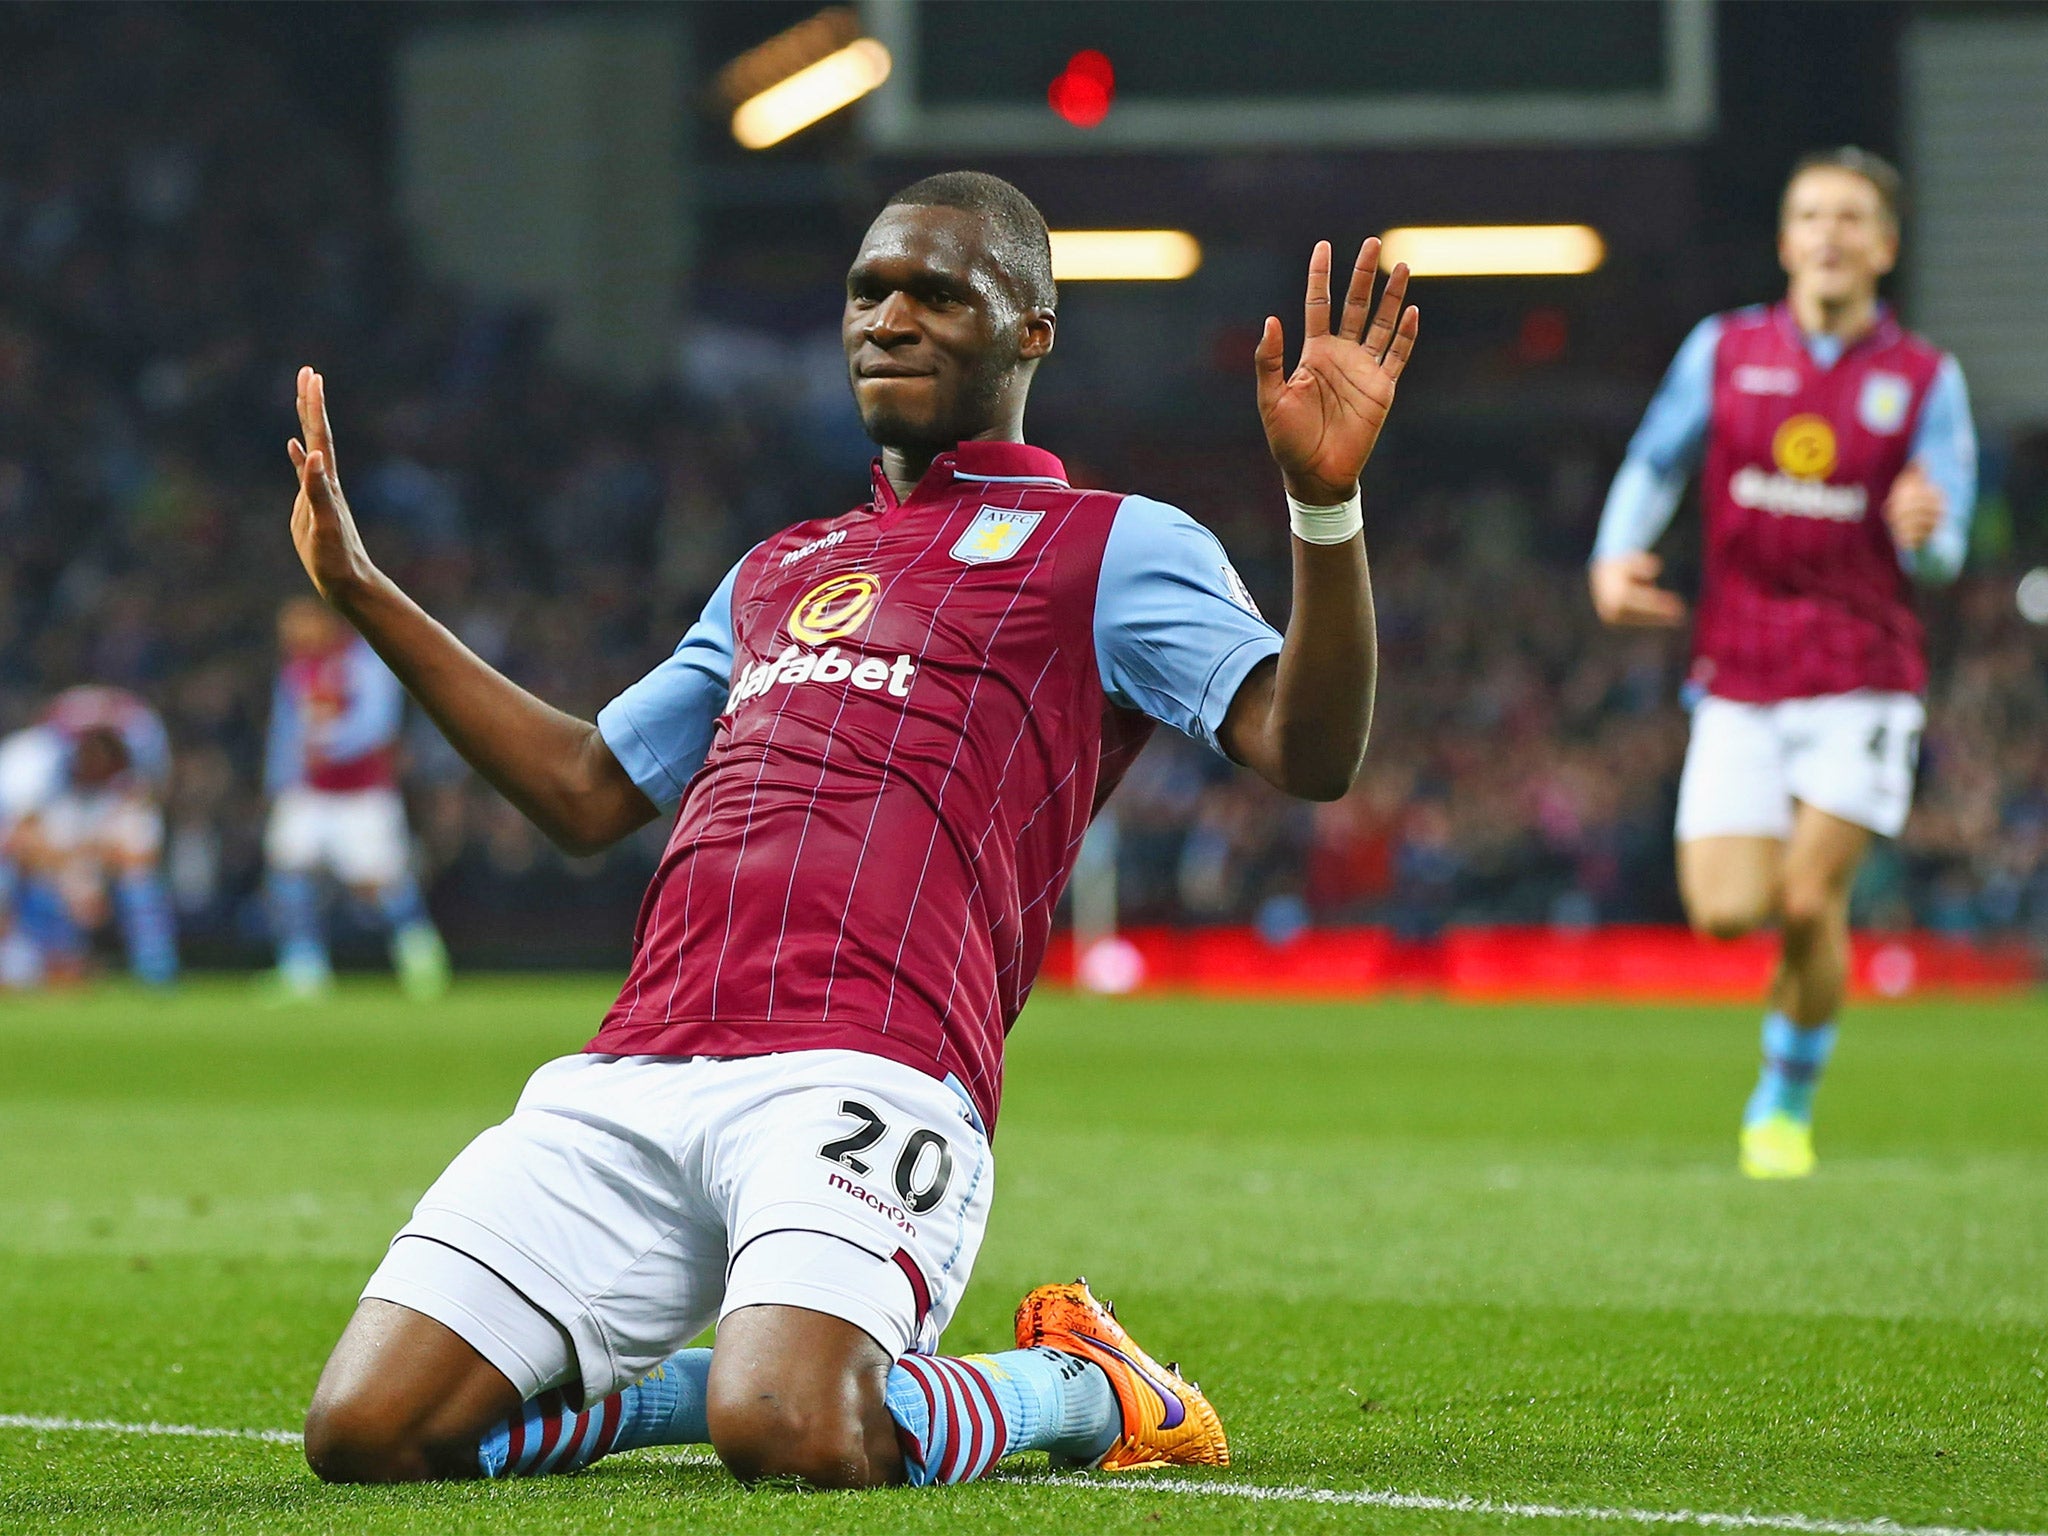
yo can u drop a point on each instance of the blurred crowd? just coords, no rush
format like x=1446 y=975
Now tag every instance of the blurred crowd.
x=177 y=234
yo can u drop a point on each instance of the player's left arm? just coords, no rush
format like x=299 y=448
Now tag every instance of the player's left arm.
x=1301 y=722
x=1930 y=504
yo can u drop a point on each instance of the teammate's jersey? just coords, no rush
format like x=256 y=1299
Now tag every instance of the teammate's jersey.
x=334 y=722
x=911 y=713
x=1803 y=592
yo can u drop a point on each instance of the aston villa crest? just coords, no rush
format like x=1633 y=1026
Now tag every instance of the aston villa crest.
x=995 y=534
x=1884 y=402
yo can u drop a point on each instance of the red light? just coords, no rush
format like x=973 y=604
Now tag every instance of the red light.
x=1544 y=336
x=1082 y=92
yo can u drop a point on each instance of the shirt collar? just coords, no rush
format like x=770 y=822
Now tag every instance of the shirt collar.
x=1825 y=350
x=977 y=463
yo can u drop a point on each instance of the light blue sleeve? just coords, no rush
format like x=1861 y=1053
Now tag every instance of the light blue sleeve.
x=149 y=746
x=376 y=708
x=284 y=752
x=1665 y=450
x=1945 y=445
x=660 y=728
x=1176 y=633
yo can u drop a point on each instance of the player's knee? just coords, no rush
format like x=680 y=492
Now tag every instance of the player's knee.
x=1721 y=916
x=765 y=1435
x=348 y=1441
x=1809 y=907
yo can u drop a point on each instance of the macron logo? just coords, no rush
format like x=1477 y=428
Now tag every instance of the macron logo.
x=793 y=668
x=817 y=546
x=1758 y=379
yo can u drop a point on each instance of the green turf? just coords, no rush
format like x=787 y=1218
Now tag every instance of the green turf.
x=1488 y=1252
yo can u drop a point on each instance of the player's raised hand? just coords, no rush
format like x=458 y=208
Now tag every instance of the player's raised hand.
x=1322 y=419
x=323 y=531
x=1625 y=592
x=1915 y=507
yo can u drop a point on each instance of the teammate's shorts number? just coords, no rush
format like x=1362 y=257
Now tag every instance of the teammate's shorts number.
x=923 y=1169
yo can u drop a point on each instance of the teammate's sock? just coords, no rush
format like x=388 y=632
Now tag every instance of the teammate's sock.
x=956 y=1418
x=295 y=918
x=1794 y=1059
x=665 y=1407
x=21 y=963
x=399 y=904
x=46 y=921
x=147 y=929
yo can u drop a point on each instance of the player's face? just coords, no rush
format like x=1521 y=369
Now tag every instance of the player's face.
x=1834 y=239
x=98 y=758
x=305 y=629
x=937 y=344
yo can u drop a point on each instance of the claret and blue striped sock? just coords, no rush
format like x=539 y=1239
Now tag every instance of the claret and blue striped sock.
x=665 y=1407
x=1794 y=1059
x=957 y=1417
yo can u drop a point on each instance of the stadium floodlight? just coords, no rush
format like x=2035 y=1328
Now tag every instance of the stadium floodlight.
x=813 y=92
x=1124 y=255
x=1495 y=250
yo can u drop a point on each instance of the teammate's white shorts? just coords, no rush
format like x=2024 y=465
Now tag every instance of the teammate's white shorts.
x=115 y=824
x=358 y=835
x=1852 y=755
x=634 y=1200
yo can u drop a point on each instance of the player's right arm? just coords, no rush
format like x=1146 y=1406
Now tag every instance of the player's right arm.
x=555 y=768
x=1646 y=490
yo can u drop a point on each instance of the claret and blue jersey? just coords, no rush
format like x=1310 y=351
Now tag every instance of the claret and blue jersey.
x=1798 y=439
x=335 y=721
x=888 y=732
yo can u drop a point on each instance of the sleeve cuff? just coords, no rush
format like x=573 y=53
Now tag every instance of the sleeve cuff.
x=1225 y=681
x=640 y=761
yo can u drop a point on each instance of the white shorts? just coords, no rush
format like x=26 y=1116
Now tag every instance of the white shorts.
x=110 y=824
x=634 y=1200
x=1850 y=754
x=357 y=835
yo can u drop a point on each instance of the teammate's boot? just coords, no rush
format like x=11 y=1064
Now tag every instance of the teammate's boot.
x=1778 y=1146
x=1166 y=1420
x=302 y=975
x=421 y=960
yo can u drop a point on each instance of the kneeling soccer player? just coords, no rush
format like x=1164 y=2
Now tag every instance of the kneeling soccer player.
x=887 y=734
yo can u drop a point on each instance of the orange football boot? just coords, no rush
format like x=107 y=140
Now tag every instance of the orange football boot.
x=1166 y=1420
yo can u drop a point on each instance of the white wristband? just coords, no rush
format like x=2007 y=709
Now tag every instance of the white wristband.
x=1328 y=525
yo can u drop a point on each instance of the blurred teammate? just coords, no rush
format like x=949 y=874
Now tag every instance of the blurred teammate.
x=887 y=734
x=1839 y=467
x=81 y=839
x=332 y=774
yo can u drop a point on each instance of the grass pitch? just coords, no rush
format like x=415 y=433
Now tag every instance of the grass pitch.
x=1498 y=1253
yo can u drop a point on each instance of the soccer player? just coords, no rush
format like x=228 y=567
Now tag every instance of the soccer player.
x=82 y=837
x=1839 y=466
x=886 y=734
x=332 y=772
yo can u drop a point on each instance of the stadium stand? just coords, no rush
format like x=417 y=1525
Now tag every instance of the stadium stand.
x=165 y=269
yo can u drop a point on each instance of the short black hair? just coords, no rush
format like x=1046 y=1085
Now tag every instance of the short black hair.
x=1022 y=244
x=1873 y=168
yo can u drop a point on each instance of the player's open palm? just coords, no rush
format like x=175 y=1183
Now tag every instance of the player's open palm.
x=1322 y=419
x=322 y=529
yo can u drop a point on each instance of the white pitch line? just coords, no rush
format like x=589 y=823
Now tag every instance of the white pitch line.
x=116 y=1427
x=1376 y=1499
x=1367 y=1498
